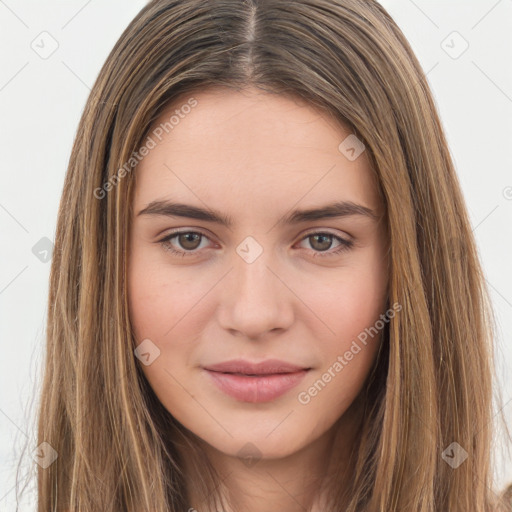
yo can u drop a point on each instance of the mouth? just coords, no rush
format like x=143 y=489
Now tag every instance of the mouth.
x=267 y=367
x=256 y=382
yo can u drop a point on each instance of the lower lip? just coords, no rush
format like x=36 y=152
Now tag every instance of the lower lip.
x=263 y=388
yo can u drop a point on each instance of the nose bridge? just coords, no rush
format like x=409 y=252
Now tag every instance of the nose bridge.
x=254 y=282
x=255 y=299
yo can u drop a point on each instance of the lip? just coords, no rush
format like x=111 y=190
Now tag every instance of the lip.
x=256 y=382
x=269 y=366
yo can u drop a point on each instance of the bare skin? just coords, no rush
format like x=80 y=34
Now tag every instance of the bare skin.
x=255 y=157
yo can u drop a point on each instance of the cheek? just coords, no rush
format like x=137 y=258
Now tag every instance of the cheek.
x=347 y=355
x=350 y=308
x=147 y=304
x=162 y=312
x=166 y=308
x=348 y=303
x=350 y=351
x=160 y=299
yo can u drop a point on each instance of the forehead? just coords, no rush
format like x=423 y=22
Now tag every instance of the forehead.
x=250 y=147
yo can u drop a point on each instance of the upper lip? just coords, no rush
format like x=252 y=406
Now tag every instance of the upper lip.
x=267 y=367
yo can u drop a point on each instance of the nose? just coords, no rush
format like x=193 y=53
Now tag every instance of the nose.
x=255 y=298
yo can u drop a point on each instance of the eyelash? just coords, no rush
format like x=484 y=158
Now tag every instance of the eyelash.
x=345 y=245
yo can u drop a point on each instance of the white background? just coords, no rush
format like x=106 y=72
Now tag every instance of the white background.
x=41 y=101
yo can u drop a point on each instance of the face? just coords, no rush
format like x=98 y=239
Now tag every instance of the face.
x=257 y=281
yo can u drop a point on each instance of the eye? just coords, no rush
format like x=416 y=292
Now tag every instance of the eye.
x=187 y=239
x=323 y=241
x=190 y=242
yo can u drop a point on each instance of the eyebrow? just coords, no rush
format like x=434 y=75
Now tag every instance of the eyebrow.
x=333 y=210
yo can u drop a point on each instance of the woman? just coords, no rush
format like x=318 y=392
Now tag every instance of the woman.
x=265 y=292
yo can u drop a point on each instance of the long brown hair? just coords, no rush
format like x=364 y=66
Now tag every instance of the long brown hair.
x=433 y=386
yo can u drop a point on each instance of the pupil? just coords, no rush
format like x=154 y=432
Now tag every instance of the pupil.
x=326 y=241
x=185 y=240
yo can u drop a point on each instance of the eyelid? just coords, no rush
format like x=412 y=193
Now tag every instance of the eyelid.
x=327 y=231
x=314 y=230
x=181 y=231
x=346 y=242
